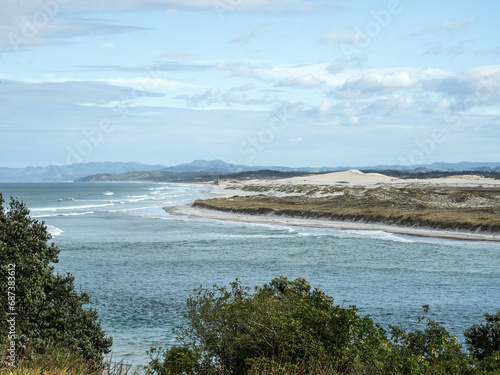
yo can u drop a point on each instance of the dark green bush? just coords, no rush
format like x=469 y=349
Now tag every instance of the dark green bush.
x=49 y=311
x=484 y=339
x=430 y=350
x=176 y=360
x=233 y=328
x=286 y=327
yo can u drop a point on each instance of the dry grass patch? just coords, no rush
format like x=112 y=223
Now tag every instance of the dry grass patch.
x=470 y=209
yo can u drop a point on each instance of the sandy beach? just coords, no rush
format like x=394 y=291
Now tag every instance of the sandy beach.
x=322 y=185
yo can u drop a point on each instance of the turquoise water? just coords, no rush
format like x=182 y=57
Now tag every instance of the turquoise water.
x=139 y=264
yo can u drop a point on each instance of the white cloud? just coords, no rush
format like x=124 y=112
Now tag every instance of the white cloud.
x=325 y=107
x=153 y=68
x=268 y=6
x=322 y=112
x=343 y=36
x=448 y=27
x=239 y=68
x=30 y=24
x=138 y=83
x=439 y=49
x=306 y=82
x=351 y=121
x=478 y=84
x=146 y=83
x=252 y=32
x=388 y=105
x=59 y=102
x=492 y=51
x=20 y=20
x=178 y=55
x=209 y=97
x=235 y=97
x=376 y=83
x=337 y=67
x=245 y=87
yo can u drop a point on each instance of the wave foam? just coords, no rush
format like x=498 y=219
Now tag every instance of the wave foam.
x=55 y=209
x=380 y=235
x=54 y=231
x=69 y=214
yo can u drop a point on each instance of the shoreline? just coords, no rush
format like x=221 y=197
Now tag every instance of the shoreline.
x=321 y=186
x=197 y=212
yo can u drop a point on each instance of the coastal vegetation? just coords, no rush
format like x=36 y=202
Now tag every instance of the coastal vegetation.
x=287 y=327
x=474 y=209
x=41 y=310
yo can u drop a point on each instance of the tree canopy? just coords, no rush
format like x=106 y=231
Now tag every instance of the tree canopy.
x=484 y=339
x=46 y=308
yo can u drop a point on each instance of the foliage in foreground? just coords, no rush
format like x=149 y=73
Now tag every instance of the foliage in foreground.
x=60 y=362
x=42 y=308
x=484 y=339
x=287 y=327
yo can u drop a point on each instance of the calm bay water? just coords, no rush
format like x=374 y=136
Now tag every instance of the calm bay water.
x=139 y=264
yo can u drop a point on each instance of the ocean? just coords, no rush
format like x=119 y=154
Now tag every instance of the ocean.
x=139 y=264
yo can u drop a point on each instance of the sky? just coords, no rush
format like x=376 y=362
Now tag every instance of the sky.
x=257 y=82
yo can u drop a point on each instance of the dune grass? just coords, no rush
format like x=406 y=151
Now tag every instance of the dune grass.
x=57 y=362
x=464 y=209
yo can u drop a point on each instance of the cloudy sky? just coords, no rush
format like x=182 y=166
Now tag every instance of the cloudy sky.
x=260 y=82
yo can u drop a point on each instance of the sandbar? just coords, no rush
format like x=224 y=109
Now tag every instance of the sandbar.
x=352 y=178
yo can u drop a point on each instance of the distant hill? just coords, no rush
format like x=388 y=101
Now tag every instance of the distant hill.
x=198 y=169
x=216 y=166
x=442 y=166
x=55 y=173
x=219 y=166
x=165 y=176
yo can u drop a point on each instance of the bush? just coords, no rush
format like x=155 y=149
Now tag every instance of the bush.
x=49 y=311
x=430 y=350
x=288 y=328
x=484 y=339
x=234 y=329
x=176 y=360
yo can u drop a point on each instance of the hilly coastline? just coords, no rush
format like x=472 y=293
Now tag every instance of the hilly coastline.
x=213 y=169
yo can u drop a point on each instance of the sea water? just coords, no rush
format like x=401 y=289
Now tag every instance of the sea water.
x=139 y=264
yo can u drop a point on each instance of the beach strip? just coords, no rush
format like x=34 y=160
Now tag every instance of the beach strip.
x=198 y=212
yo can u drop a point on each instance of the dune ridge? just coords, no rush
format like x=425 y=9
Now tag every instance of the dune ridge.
x=462 y=207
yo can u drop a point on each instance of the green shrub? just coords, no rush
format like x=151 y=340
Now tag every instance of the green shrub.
x=44 y=309
x=232 y=328
x=430 y=350
x=176 y=360
x=484 y=339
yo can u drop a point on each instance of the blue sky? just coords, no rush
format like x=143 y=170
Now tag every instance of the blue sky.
x=259 y=82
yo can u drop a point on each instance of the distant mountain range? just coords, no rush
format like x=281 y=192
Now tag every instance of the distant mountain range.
x=118 y=171
x=54 y=173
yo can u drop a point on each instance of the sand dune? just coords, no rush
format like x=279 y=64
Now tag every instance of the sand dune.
x=350 y=177
x=367 y=192
x=356 y=177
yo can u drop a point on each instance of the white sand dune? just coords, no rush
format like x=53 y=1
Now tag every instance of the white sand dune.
x=356 y=177
x=350 y=177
